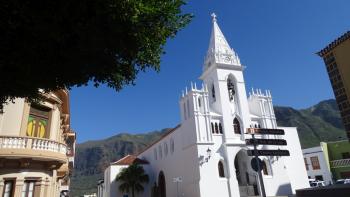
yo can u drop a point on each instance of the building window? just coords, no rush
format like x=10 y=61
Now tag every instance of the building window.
x=213 y=93
x=212 y=128
x=155 y=154
x=220 y=128
x=319 y=177
x=160 y=152
x=172 y=146
x=236 y=126
x=28 y=189
x=216 y=128
x=188 y=109
x=221 y=169
x=38 y=121
x=185 y=112
x=199 y=102
x=165 y=149
x=306 y=164
x=346 y=155
x=9 y=186
x=231 y=89
x=315 y=163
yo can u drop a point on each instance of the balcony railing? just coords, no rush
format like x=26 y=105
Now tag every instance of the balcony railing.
x=340 y=163
x=11 y=142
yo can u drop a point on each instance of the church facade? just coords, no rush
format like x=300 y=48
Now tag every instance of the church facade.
x=206 y=154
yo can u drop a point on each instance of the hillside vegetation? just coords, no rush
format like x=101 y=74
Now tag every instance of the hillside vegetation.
x=320 y=122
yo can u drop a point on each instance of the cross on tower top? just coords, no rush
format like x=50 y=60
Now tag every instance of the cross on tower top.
x=213 y=15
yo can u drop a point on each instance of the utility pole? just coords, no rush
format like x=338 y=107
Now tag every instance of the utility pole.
x=261 y=181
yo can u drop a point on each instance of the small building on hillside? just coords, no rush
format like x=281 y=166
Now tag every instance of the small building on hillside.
x=316 y=165
x=207 y=154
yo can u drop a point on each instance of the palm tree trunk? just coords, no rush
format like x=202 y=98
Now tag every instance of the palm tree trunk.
x=133 y=191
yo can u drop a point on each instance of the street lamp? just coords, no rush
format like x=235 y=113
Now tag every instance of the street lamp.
x=208 y=155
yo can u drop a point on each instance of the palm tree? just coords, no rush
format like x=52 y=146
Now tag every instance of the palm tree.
x=132 y=178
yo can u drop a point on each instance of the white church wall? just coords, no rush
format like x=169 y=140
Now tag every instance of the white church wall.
x=295 y=162
x=182 y=162
x=211 y=184
x=111 y=186
x=277 y=183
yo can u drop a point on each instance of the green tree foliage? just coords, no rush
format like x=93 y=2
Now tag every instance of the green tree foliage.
x=132 y=178
x=57 y=44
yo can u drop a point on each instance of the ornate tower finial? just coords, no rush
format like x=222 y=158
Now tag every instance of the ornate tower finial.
x=213 y=15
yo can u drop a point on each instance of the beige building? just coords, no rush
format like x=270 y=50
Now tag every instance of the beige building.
x=36 y=147
x=336 y=56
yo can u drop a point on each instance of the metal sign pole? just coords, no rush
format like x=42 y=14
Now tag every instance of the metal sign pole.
x=262 y=187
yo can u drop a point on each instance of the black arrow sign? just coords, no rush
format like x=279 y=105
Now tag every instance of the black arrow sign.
x=269 y=152
x=263 y=131
x=278 y=142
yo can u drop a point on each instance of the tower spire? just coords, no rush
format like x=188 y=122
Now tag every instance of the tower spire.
x=219 y=50
x=213 y=15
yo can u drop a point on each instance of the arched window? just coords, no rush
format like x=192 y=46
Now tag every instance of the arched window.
x=185 y=111
x=213 y=93
x=212 y=128
x=172 y=145
x=160 y=151
x=155 y=153
x=188 y=109
x=199 y=102
x=236 y=126
x=266 y=168
x=165 y=149
x=231 y=89
x=221 y=169
x=220 y=128
x=216 y=128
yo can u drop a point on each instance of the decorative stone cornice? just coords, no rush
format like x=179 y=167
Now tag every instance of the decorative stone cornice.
x=335 y=43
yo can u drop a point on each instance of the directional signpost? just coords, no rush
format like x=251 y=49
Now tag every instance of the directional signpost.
x=277 y=142
x=256 y=162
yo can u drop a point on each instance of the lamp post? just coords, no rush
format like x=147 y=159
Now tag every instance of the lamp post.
x=208 y=154
x=177 y=180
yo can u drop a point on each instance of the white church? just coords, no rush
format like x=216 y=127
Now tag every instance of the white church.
x=206 y=154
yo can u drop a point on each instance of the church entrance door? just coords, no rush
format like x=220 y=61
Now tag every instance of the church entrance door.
x=246 y=177
x=161 y=184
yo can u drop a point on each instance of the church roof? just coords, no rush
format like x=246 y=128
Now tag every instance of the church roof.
x=161 y=138
x=130 y=159
x=219 y=50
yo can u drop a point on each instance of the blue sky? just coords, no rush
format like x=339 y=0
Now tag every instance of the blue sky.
x=275 y=39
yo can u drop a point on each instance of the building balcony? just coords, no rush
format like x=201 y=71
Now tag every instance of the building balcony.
x=340 y=163
x=14 y=147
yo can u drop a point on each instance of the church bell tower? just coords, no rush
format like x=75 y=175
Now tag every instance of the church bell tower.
x=223 y=76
